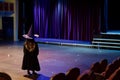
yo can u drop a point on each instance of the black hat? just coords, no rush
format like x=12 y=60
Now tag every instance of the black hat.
x=30 y=35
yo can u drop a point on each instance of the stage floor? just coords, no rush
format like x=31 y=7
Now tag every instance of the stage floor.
x=52 y=58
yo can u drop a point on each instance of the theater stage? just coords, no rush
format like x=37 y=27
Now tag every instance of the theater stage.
x=52 y=58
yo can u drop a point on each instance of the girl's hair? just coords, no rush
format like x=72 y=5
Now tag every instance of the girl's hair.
x=30 y=44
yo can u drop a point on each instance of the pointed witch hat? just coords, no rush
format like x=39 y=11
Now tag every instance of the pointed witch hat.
x=30 y=35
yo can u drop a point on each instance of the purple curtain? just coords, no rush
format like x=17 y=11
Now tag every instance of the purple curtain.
x=65 y=19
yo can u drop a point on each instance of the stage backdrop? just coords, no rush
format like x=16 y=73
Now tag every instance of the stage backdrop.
x=67 y=19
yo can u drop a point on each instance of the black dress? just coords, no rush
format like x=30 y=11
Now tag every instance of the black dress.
x=30 y=60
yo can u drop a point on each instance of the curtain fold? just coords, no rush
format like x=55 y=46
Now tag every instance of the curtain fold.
x=68 y=20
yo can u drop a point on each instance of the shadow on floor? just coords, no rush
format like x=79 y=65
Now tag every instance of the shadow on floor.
x=42 y=77
x=37 y=77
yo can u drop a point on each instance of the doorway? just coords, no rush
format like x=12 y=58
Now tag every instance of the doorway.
x=7 y=26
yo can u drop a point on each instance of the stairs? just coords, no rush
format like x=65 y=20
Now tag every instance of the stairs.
x=106 y=41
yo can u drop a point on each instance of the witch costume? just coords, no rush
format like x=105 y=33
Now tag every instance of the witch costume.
x=30 y=60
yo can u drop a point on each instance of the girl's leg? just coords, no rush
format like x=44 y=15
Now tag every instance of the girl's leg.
x=28 y=72
x=33 y=71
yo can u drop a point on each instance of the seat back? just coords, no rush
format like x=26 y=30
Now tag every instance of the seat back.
x=5 y=76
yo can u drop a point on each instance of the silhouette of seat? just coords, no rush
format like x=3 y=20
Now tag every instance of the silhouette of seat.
x=5 y=76
x=115 y=75
x=83 y=77
x=103 y=65
x=95 y=67
x=109 y=70
x=72 y=73
x=96 y=76
x=116 y=64
x=59 y=76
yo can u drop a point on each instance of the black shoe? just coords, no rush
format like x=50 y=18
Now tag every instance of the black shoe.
x=34 y=73
x=28 y=72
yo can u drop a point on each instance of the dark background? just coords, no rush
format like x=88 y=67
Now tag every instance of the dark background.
x=113 y=15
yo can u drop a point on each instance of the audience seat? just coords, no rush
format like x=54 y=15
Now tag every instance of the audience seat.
x=5 y=76
x=115 y=75
x=59 y=76
x=72 y=73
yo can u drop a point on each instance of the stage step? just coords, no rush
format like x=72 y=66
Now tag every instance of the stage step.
x=108 y=36
x=102 y=41
x=107 y=41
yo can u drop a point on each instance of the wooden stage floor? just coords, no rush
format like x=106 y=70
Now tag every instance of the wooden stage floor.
x=52 y=58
